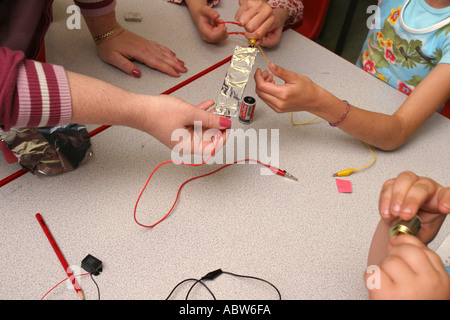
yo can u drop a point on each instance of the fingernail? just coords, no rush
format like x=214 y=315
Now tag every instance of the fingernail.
x=385 y=212
x=407 y=211
x=136 y=73
x=396 y=208
x=180 y=61
x=224 y=122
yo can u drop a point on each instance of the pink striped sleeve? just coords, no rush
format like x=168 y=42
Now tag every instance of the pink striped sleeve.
x=43 y=95
x=96 y=8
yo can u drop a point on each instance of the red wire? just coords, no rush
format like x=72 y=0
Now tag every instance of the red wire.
x=79 y=275
x=181 y=186
x=233 y=22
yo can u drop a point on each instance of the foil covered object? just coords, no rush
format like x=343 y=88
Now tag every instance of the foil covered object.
x=235 y=81
x=48 y=150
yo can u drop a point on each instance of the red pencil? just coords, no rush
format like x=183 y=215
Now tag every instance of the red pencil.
x=60 y=256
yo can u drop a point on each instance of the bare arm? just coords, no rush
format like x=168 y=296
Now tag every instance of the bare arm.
x=98 y=102
x=384 y=131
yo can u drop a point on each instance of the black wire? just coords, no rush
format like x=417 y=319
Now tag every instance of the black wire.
x=229 y=273
x=255 y=278
x=189 y=279
x=199 y=280
x=98 y=289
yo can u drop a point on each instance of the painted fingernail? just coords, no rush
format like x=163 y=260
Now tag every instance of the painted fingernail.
x=136 y=73
x=224 y=122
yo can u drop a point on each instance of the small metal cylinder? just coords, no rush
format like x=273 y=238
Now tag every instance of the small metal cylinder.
x=247 y=109
x=411 y=227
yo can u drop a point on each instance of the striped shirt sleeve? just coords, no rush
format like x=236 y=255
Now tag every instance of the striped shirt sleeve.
x=36 y=95
x=96 y=8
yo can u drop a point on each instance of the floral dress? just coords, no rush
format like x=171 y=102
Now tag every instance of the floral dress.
x=406 y=41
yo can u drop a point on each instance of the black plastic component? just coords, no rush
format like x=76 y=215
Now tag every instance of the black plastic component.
x=92 y=264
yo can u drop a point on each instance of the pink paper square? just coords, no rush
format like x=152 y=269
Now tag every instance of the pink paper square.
x=344 y=186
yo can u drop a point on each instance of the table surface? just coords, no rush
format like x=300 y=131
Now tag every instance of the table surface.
x=305 y=237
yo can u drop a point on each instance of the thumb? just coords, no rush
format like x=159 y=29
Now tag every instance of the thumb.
x=286 y=75
x=405 y=239
x=208 y=118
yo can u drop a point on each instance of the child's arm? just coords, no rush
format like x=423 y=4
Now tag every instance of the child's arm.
x=403 y=198
x=384 y=131
x=205 y=19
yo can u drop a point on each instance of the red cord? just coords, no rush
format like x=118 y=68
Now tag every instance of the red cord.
x=232 y=22
x=273 y=169
x=79 y=275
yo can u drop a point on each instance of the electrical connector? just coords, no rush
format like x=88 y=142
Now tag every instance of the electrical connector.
x=212 y=275
x=92 y=264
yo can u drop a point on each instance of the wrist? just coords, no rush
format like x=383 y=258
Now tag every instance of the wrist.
x=281 y=16
x=102 y=25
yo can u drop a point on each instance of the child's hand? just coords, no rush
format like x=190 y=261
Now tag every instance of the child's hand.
x=408 y=195
x=206 y=21
x=256 y=16
x=411 y=271
x=273 y=35
x=297 y=93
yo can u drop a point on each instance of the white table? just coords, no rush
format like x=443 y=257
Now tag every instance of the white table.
x=304 y=237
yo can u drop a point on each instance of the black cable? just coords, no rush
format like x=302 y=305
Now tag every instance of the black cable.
x=213 y=275
x=251 y=277
x=98 y=289
x=190 y=279
x=200 y=281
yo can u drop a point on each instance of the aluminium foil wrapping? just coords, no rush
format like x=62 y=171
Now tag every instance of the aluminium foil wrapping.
x=235 y=81
x=49 y=150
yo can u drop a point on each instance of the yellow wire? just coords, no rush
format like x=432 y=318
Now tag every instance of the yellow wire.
x=292 y=114
x=348 y=172
x=340 y=173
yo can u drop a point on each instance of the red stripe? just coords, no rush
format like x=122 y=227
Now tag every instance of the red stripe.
x=53 y=90
x=12 y=177
x=95 y=5
x=35 y=93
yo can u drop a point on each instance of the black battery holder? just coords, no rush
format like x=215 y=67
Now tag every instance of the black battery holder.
x=92 y=264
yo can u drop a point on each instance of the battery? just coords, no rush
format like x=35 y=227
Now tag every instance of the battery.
x=411 y=227
x=247 y=109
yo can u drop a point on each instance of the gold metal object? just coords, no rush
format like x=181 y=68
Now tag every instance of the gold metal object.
x=107 y=34
x=411 y=227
